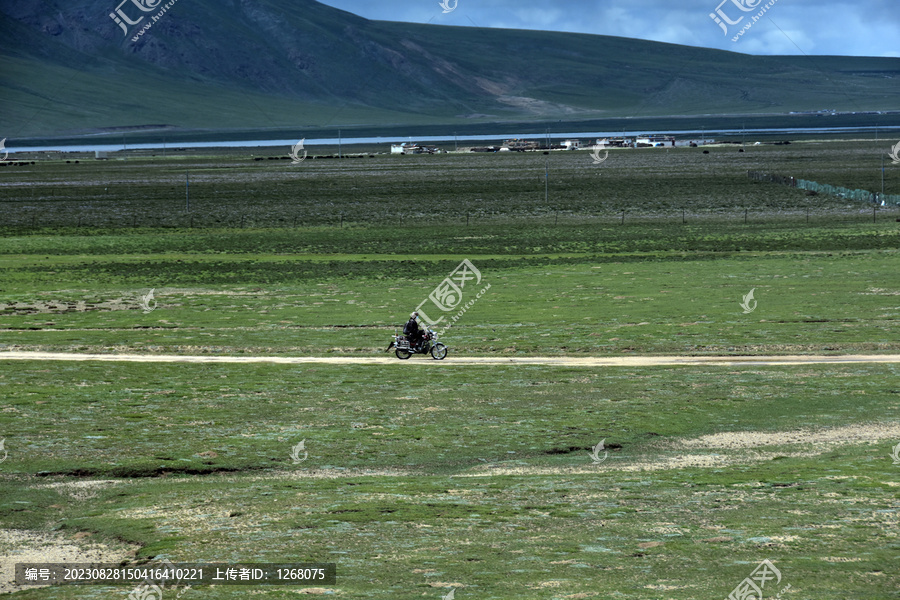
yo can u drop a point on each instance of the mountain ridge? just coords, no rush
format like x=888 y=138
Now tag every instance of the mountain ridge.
x=243 y=64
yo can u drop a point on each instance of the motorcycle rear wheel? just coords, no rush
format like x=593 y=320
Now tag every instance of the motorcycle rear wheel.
x=402 y=353
x=439 y=351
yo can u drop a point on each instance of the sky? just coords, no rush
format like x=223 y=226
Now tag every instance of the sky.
x=792 y=27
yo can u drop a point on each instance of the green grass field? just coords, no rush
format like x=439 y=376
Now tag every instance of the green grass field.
x=419 y=479
x=262 y=188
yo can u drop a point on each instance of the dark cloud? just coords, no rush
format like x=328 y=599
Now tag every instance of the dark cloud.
x=824 y=27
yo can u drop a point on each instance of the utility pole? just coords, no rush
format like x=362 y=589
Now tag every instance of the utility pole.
x=187 y=190
x=547 y=184
x=340 y=152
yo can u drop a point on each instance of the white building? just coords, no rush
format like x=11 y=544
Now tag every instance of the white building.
x=404 y=148
x=655 y=141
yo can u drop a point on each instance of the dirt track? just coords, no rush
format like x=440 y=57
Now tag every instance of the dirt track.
x=550 y=361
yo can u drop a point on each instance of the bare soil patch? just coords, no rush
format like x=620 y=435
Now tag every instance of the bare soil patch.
x=18 y=546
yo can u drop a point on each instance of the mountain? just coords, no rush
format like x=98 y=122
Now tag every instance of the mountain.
x=68 y=67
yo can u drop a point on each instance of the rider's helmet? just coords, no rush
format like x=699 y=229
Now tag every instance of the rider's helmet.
x=414 y=315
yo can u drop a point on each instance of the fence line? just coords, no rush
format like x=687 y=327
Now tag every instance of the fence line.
x=35 y=220
x=824 y=188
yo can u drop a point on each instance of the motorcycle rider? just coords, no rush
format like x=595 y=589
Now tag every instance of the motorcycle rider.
x=412 y=332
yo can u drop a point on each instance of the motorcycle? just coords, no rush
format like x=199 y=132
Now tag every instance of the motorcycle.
x=428 y=345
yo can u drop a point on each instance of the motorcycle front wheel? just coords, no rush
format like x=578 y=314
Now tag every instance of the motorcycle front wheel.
x=439 y=351
x=402 y=353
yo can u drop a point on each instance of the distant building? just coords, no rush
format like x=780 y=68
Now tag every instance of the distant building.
x=621 y=142
x=572 y=144
x=412 y=148
x=654 y=141
x=520 y=145
x=100 y=155
x=695 y=142
x=404 y=148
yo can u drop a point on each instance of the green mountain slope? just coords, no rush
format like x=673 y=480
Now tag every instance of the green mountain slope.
x=259 y=64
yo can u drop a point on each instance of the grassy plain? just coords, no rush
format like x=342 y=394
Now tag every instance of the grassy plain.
x=480 y=478
x=476 y=478
x=262 y=188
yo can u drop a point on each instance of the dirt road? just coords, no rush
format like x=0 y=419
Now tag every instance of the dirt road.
x=389 y=359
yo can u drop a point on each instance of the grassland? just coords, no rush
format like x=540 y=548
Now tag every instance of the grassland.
x=571 y=274
x=471 y=477
x=262 y=188
x=480 y=478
